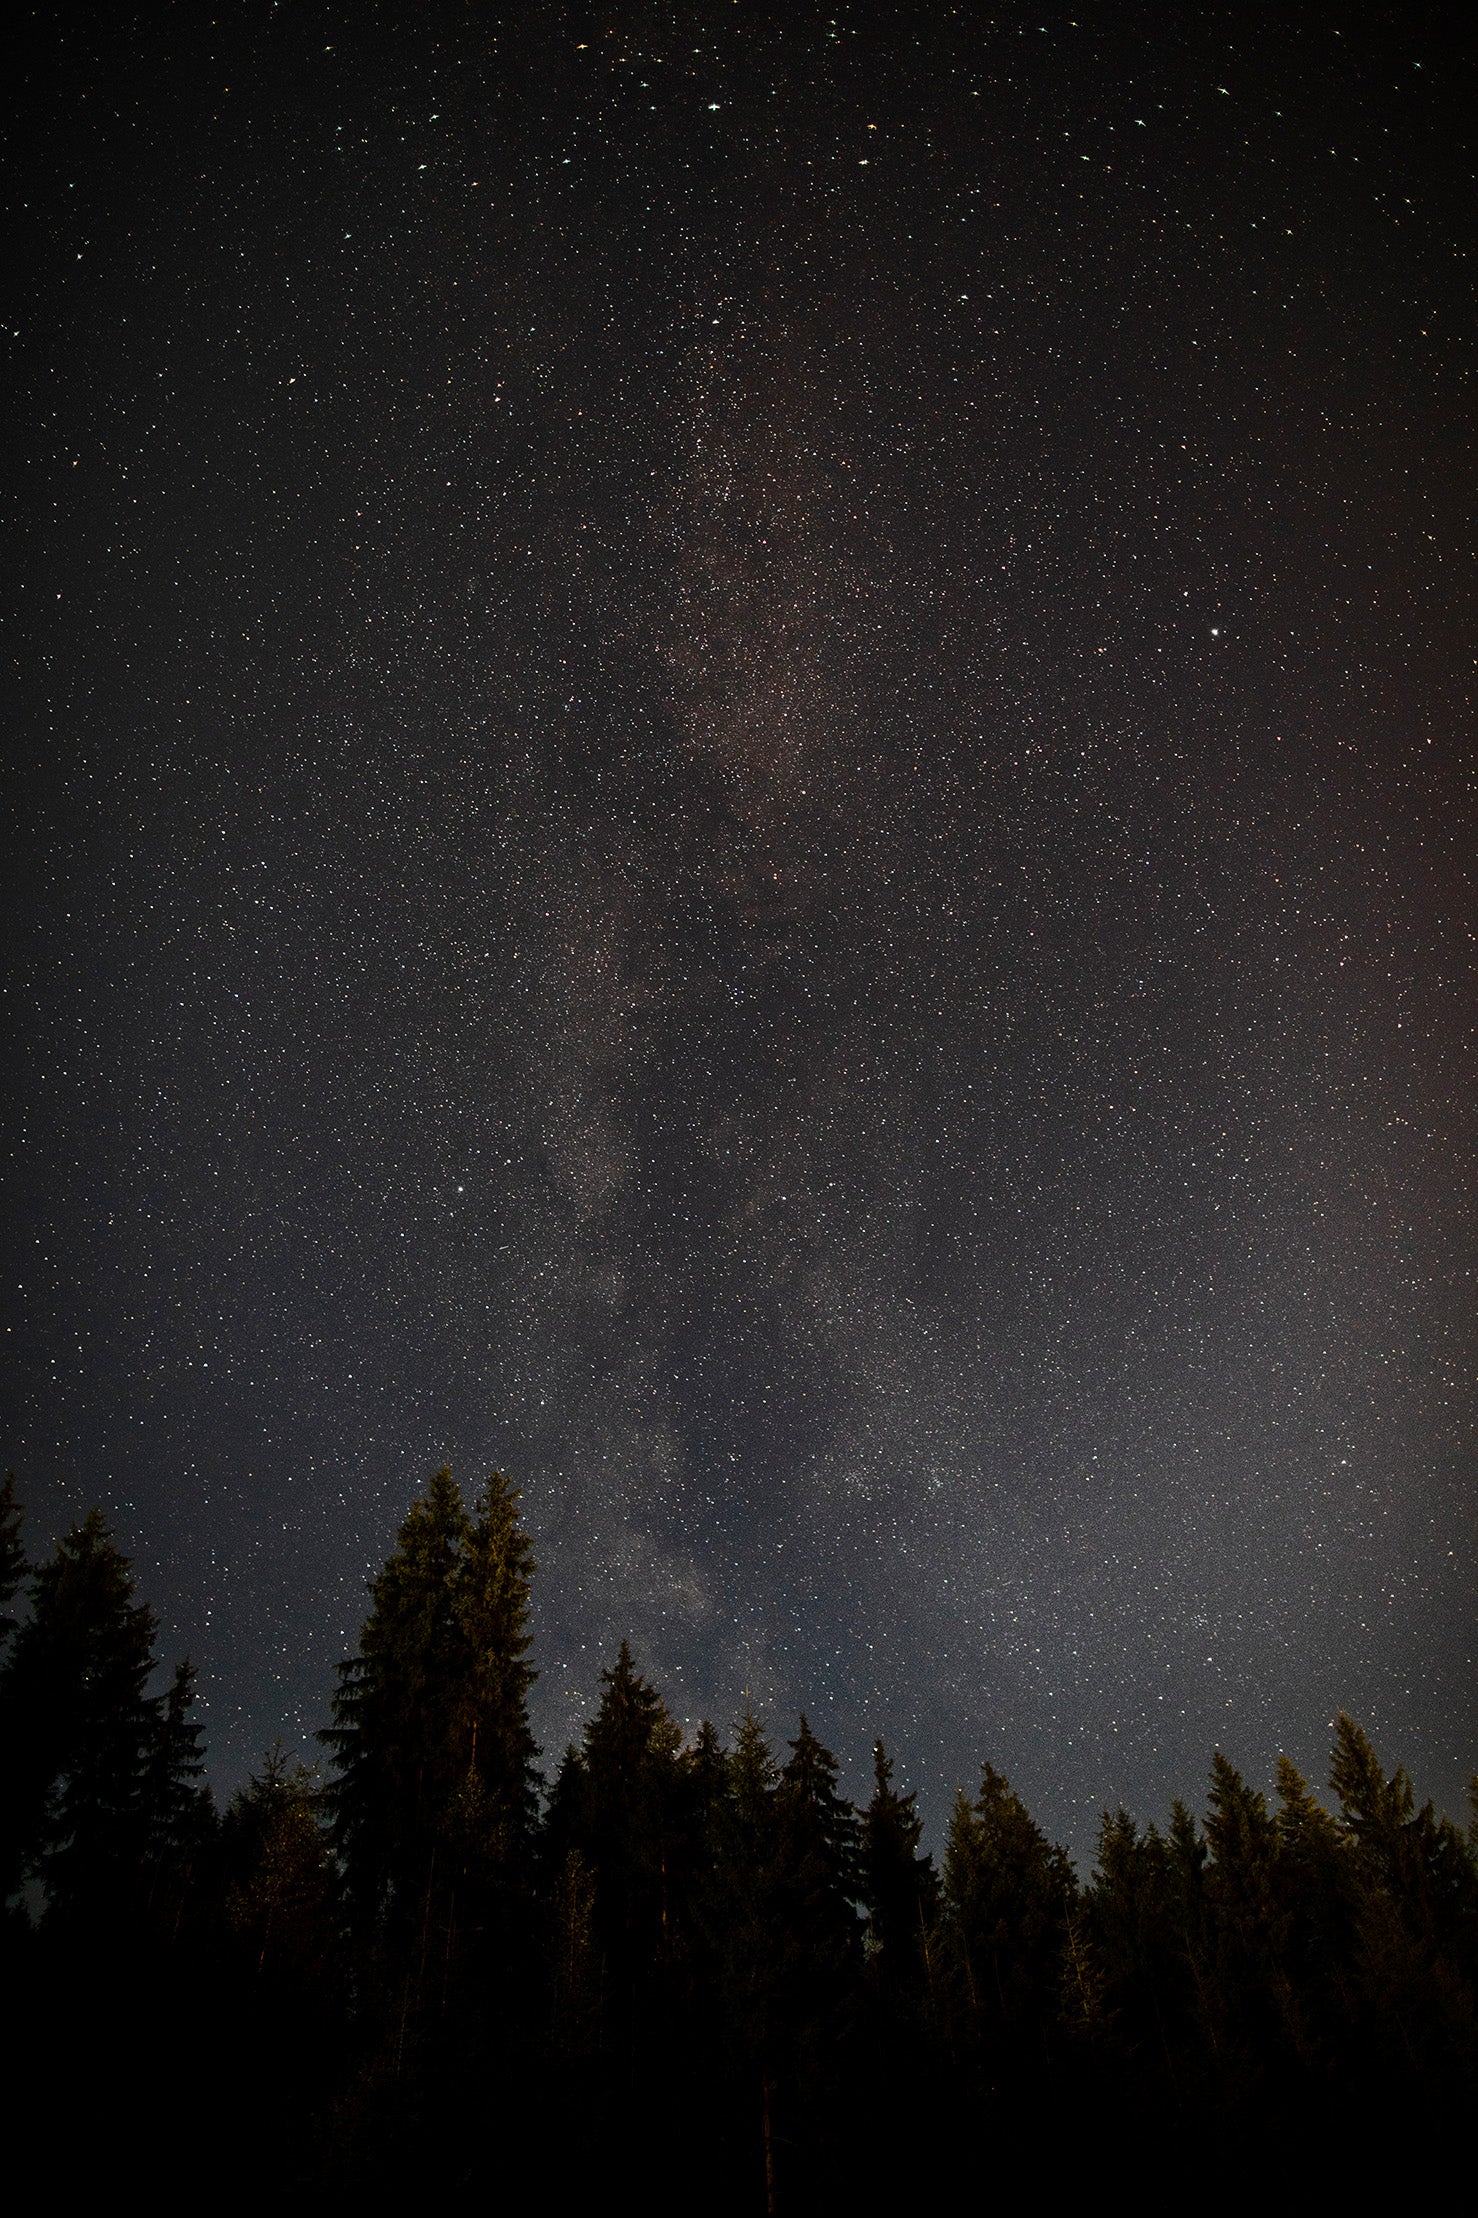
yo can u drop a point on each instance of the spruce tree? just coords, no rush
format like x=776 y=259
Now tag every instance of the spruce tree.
x=816 y=1879
x=80 y=1730
x=1007 y=1894
x=574 y=1963
x=741 y=1915
x=898 y=1884
x=1244 y=1972
x=492 y=1603
x=394 y=1737
x=180 y=1814
x=618 y=1806
x=900 y=1895
x=753 y=1778
x=1414 y=1895
x=794 y=1955
x=707 y=1770
x=1374 y=1810
x=20 y=1805
x=280 y=1889
x=1305 y=1828
x=14 y=1569
x=822 y=1817
x=431 y=1736
x=1313 y=1917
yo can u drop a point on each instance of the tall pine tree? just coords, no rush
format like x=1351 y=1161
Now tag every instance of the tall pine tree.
x=1008 y=1892
x=14 y=1569
x=81 y=1733
x=618 y=1806
x=431 y=1736
x=898 y=1883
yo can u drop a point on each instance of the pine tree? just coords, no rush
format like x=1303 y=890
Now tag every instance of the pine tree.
x=815 y=1880
x=828 y=1822
x=14 y=1569
x=1313 y=1918
x=1414 y=1895
x=630 y=1734
x=1240 y=1839
x=1241 y=1896
x=707 y=1765
x=179 y=1812
x=893 y=2068
x=81 y=1726
x=499 y=1801
x=1306 y=1831
x=394 y=1738
x=753 y=1779
x=20 y=1806
x=741 y=1911
x=1007 y=1894
x=1137 y=1924
x=575 y=1974
x=618 y=1806
x=280 y=1892
x=898 y=1884
x=431 y=1736
x=1374 y=1810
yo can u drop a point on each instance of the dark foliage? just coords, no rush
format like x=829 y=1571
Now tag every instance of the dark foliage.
x=700 y=1975
x=13 y=1567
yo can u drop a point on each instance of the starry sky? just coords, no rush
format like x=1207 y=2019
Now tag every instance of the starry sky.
x=742 y=778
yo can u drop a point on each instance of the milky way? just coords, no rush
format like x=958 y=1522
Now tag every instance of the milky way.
x=742 y=782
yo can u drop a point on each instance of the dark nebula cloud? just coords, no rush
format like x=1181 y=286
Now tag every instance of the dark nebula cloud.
x=742 y=779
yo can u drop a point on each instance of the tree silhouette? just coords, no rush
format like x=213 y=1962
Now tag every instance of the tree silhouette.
x=14 y=1570
x=82 y=1736
x=431 y=1736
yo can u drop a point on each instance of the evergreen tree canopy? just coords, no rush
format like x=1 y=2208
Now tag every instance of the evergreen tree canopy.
x=820 y=1816
x=1414 y=1884
x=431 y=1736
x=181 y=1814
x=618 y=1806
x=753 y=1778
x=630 y=1736
x=280 y=1882
x=708 y=1771
x=1242 y=1843
x=1374 y=1810
x=793 y=1876
x=1306 y=1831
x=1007 y=1894
x=83 y=1738
x=898 y=1884
x=13 y=1566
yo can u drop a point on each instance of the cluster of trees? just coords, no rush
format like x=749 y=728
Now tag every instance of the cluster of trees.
x=678 y=1968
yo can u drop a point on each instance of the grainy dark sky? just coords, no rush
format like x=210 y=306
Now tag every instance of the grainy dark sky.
x=743 y=778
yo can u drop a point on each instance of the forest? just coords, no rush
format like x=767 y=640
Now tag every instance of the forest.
x=673 y=1973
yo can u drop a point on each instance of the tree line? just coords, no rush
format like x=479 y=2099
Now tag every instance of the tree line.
x=679 y=1968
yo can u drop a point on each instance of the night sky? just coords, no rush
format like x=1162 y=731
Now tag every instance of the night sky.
x=741 y=777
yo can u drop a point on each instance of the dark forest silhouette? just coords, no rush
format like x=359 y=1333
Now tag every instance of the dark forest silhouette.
x=684 y=1974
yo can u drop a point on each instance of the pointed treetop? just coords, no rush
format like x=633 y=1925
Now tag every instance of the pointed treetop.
x=13 y=1566
x=1238 y=1827
x=632 y=1724
x=752 y=1767
x=1372 y=1808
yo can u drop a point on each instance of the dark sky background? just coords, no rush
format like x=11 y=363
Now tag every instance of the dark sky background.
x=743 y=779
